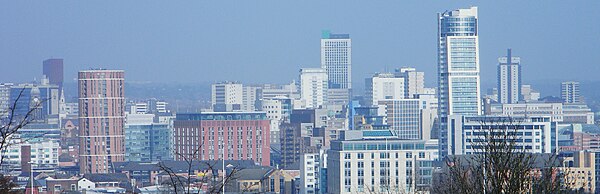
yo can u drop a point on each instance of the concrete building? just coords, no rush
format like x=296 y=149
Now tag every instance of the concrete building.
x=226 y=96
x=278 y=110
x=101 y=119
x=250 y=98
x=570 y=92
x=376 y=161
x=146 y=140
x=410 y=118
x=217 y=135
x=528 y=94
x=509 y=79
x=313 y=86
x=531 y=109
x=384 y=86
x=43 y=152
x=580 y=174
x=539 y=134
x=336 y=59
x=270 y=91
x=558 y=112
x=577 y=113
x=310 y=165
x=414 y=81
x=458 y=68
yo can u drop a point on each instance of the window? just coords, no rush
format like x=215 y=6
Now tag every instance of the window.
x=421 y=154
x=361 y=155
x=408 y=155
x=347 y=156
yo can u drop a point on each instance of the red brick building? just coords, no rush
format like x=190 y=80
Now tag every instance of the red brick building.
x=212 y=135
x=101 y=119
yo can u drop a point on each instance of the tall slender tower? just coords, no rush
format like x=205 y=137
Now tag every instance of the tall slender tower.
x=458 y=69
x=101 y=120
x=509 y=79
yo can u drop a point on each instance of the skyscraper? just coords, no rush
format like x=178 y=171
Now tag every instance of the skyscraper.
x=336 y=59
x=458 y=68
x=509 y=79
x=570 y=92
x=313 y=86
x=101 y=119
x=53 y=70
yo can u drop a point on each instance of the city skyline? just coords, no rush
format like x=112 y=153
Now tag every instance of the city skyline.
x=148 y=50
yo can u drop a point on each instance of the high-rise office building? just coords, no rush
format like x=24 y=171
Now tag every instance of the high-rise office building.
x=336 y=59
x=313 y=86
x=101 y=119
x=53 y=70
x=570 y=92
x=509 y=79
x=458 y=67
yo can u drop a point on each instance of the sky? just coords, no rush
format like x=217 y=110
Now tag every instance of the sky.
x=269 y=41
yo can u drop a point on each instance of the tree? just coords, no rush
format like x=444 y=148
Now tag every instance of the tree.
x=500 y=165
x=10 y=124
x=198 y=176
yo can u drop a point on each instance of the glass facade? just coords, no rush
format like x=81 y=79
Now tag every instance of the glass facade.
x=144 y=143
x=458 y=68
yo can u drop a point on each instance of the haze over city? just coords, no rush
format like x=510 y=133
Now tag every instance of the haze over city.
x=290 y=97
x=197 y=41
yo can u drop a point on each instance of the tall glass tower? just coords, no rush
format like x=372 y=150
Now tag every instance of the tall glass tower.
x=458 y=70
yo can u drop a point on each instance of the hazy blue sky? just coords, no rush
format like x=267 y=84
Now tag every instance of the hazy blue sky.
x=268 y=41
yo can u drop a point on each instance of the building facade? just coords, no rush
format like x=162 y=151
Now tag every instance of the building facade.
x=509 y=79
x=375 y=161
x=414 y=81
x=101 y=119
x=570 y=92
x=217 y=135
x=146 y=140
x=538 y=134
x=384 y=86
x=458 y=67
x=226 y=96
x=336 y=59
x=313 y=86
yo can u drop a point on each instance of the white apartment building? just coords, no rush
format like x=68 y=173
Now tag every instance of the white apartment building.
x=313 y=86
